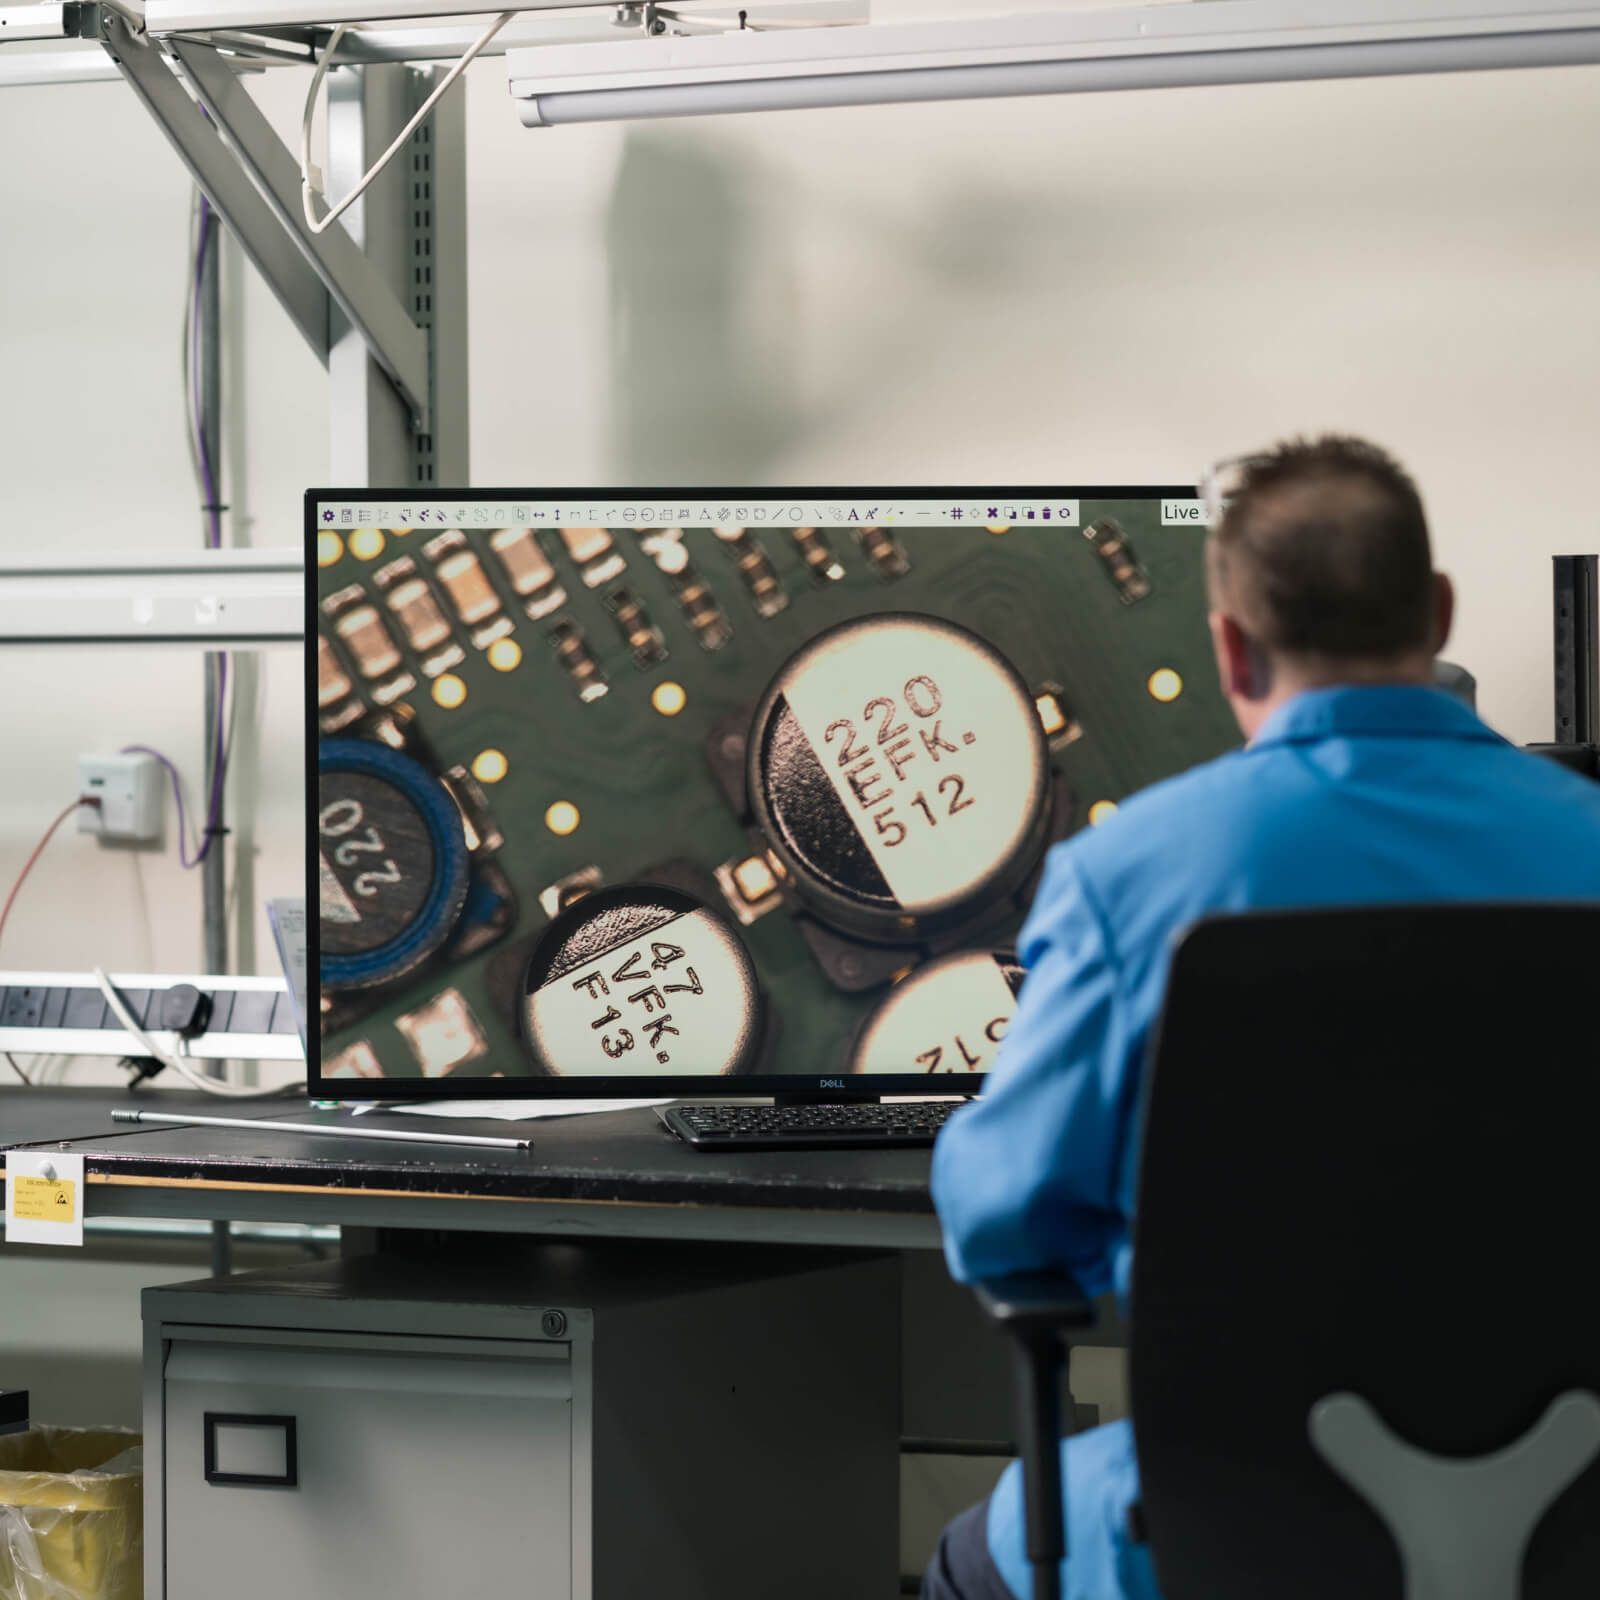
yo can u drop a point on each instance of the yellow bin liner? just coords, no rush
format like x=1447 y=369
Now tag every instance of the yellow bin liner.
x=70 y=1530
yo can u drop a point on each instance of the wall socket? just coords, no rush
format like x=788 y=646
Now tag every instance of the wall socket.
x=130 y=791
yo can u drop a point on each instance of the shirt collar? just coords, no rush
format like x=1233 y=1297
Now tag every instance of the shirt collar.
x=1392 y=710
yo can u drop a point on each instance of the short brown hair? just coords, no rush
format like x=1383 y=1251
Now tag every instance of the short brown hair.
x=1322 y=551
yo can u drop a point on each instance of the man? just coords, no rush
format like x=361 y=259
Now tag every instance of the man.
x=1359 y=783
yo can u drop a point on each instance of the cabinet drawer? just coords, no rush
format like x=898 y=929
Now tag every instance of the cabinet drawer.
x=367 y=1468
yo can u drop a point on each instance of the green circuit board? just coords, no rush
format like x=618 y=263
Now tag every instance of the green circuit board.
x=603 y=742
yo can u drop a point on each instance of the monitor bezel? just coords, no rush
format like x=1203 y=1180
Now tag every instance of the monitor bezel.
x=841 y=1086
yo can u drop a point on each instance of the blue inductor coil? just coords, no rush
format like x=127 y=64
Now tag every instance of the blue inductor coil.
x=392 y=863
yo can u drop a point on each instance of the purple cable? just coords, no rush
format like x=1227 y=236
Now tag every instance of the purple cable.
x=213 y=511
x=177 y=795
x=223 y=734
x=213 y=514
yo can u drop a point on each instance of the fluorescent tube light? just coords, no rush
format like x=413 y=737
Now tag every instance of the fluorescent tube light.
x=1126 y=47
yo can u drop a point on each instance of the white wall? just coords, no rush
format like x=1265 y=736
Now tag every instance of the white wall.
x=1111 y=288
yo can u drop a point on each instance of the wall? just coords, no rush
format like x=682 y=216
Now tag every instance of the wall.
x=1112 y=287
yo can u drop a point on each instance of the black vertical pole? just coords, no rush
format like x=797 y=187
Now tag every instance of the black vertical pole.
x=1577 y=642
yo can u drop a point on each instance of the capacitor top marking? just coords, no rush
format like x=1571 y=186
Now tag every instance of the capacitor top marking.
x=392 y=863
x=898 y=768
x=947 y=1017
x=640 y=979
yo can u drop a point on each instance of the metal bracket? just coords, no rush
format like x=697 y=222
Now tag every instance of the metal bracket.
x=412 y=223
x=254 y=182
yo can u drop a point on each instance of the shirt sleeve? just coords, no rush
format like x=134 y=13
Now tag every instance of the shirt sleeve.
x=1027 y=1176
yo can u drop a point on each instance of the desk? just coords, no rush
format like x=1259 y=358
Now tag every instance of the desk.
x=613 y=1175
x=617 y=1175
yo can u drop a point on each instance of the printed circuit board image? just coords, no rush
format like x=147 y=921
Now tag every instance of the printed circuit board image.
x=705 y=801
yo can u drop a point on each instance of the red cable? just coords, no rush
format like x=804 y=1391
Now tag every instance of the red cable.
x=38 y=850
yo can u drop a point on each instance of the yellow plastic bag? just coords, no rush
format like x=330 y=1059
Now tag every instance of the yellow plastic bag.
x=71 y=1515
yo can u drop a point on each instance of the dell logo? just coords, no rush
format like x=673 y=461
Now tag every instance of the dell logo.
x=833 y=1083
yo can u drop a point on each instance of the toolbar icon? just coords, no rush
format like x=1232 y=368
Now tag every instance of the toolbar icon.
x=327 y=516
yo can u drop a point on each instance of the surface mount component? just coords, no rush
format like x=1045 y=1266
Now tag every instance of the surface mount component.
x=361 y=630
x=755 y=567
x=419 y=614
x=594 y=553
x=693 y=595
x=466 y=584
x=641 y=979
x=947 y=1016
x=531 y=572
x=443 y=1034
x=578 y=660
x=392 y=863
x=817 y=554
x=898 y=768
x=337 y=706
x=1121 y=560
x=885 y=552
x=640 y=634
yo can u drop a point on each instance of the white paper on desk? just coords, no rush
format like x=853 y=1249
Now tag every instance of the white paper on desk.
x=513 y=1110
x=288 y=921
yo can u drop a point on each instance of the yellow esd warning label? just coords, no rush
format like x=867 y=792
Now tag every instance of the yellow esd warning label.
x=44 y=1199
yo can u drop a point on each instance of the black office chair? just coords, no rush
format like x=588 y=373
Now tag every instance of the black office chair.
x=1364 y=1318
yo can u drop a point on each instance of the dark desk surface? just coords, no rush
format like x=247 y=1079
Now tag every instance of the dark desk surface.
x=613 y=1173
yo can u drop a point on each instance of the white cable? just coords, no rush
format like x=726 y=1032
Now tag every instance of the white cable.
x=311 y=178
x=119 y=1008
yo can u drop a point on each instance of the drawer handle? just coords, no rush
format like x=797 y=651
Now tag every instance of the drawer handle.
x=251 y=1449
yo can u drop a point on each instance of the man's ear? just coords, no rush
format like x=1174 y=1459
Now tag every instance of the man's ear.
x=1444 y=610
x=1239 y=664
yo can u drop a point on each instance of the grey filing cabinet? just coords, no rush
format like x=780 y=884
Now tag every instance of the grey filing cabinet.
x=528 y=1423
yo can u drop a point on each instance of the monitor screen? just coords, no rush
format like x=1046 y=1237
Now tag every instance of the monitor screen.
x=628 y=792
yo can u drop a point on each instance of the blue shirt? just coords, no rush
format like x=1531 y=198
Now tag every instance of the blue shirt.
x=1346 y=796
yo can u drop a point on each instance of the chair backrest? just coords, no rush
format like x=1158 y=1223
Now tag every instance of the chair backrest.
x=1370 y=1165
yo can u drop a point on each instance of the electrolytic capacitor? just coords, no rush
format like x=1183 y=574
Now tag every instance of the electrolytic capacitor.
x=898 y=768
x=946 y=1017
x=392 y=860
x=641 y=980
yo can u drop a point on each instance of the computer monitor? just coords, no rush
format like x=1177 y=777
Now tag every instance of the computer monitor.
x=640 y=792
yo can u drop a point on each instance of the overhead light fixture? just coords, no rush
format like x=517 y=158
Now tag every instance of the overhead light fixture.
x=52 y=21
x=23 y=69
x=1146 y=46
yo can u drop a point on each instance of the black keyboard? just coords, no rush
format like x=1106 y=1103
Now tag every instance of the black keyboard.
x=725 y=1127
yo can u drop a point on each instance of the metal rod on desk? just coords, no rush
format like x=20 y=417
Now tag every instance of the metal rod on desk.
x=482 y=1141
